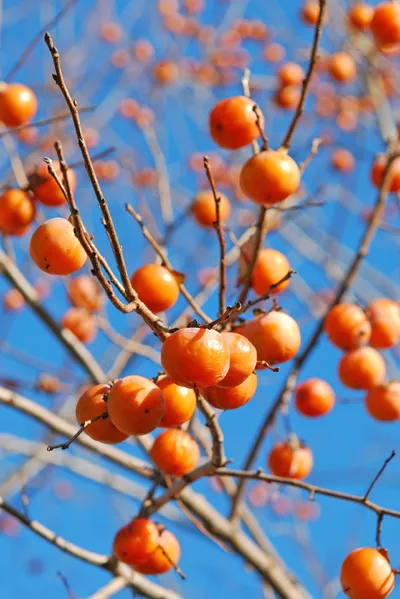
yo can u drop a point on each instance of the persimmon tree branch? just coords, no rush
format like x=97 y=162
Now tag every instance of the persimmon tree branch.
x=290 y=383
x=306 y=83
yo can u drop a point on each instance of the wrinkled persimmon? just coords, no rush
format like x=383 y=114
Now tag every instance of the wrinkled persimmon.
x=233 y=122
x=163 y=558
x=45 y=188
x=134 y=543
x=93 y=403
x=55 y=249
x=242 y=359
x=384 y=316
x=156 y=287
x=347 y=326
x=136 y=405
x=366 y=574
x=18 y=104
x=85 y=292
x=276 y=336
x=175 y=452
x=383 y=402
x=233 y=397
x=195 y=357
x=17 y=212
x=81 y=323
x=270 y=177
x=180 y=402
x=271 y=266
x=314 y=397
x=362 y=368
x=204 y=209
x=290 y=460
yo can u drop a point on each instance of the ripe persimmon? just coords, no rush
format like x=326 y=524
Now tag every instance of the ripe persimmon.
x=232 y=122
x=85 y=292
x=136 y=405
x=291 y=73
x=81 y=323
x=175 y=452
x=366 y=572
x=290 y=459
x=378 y=170
x=18 y=104
x=276 y=336
x=93 y=403
x=163 y=558
x=314 y=397
x=342 y=67
x=166 y=72
x=180 y=402
x=274 y=52
x=385 y=24
x=270 y=177
x=204 y=209
x=383 y=401
x=143 y=51
x=195 y=357
x=360 y=16
x=17 y=212
x=347 y=326
x=343 y=160
x=384 y=316
x=13 y=300
x=270 y=267
x=232 y=397
x=156 y=287
x=311 y=11
x=55 y=249
x=362 y=368
x=243 y=359
x=288 y=97
x=45 y=188
x=134 y=543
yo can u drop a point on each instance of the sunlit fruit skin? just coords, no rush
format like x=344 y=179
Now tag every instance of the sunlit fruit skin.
x=156 y=287
x=232 y=122
x=347 y=326
x=175 y=452
x=243 y=359
x=45 y=188
x=291 y=73
x=17 y=212
x=342 y=67
x=158 y=562
x=85 y=292
x=360 y=16
x=290 y=461
x=269 y=177
x=384 y=316
x=270 y=267
x=18 y=104
x=233 y=397
x=276 y=337
x=195 y=357
x=343 y=160
x=385 y=24
x=362 y=368
x=204 y=209
x=135 y=542
x=383 y=402
x=81 y=323
x=55 y=249
x=366 y=573
x=314 y=397
x=92 y=403
x=180 y=402
x=378 y=170
x=136 y=405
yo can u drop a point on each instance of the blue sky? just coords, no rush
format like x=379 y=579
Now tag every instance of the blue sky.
x=348 y=446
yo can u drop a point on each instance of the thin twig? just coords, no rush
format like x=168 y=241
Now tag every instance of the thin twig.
x=78 y=433
x=379 y=474
x=316 y=143
x=43 y=122
x=217 y=436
